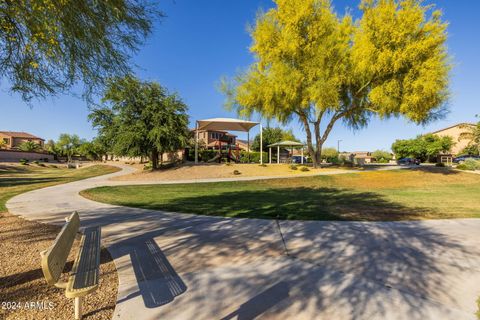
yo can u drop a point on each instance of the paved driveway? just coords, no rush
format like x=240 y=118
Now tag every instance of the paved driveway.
x=179 y=266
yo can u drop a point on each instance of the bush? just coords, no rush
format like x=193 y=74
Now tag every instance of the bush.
x=41 y=165
x=304 y=169
x=36 y=162
x=23 y=162
x=439 y=164
x=470 y=165
x=148 y=166
x=293 y=167
x=236 y=172
x=254 y=157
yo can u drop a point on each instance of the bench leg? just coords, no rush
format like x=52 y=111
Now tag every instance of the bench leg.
x=78 y=308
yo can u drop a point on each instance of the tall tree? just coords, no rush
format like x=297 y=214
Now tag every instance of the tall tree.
x=148 y=120
x=47 y=46
x=272 y=135
x=320 y=68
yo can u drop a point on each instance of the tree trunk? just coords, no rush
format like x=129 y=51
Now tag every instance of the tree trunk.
x=314 y=153
x=154 y=159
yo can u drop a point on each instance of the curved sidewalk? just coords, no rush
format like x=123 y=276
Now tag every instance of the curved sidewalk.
x=180 y=266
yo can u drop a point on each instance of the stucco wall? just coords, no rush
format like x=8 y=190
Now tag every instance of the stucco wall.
x=14 y=156
x=455 y=132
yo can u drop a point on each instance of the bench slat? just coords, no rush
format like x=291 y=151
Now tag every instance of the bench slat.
x=54 y=258
x=85 y=272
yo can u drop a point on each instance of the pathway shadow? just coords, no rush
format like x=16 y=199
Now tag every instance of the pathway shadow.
x=367 y=269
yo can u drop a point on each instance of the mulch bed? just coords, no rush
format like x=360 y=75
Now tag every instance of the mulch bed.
x=23 y=286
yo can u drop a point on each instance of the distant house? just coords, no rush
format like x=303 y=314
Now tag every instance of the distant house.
x=455 y=131
x=14 y=139
x=211 y=139
x=363 y=156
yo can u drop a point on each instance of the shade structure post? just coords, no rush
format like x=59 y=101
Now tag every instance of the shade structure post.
x=278 y=154
x=270 y=155
x=248 y=146
x=302 y=156
x=196 y=142
x=261 y=144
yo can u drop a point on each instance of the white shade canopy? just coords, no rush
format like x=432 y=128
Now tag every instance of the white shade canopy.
x=228 y=124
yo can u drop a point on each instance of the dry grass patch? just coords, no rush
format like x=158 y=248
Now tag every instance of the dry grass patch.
x=215 y=170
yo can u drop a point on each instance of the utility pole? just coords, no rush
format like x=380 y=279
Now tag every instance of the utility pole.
x=338 y=145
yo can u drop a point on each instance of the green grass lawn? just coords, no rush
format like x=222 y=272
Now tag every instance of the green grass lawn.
x=374 y=196
x=16 y=179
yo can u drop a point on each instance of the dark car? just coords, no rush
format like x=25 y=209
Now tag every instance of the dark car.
x=464 y=158
x=298 y=159
x=408 y=161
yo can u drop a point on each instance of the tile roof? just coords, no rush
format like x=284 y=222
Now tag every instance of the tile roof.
x=15 y=134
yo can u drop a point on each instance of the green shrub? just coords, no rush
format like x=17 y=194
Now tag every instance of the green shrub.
x=254 y=157
x=439 y=164
x=236 y=172
x=304 y=169
x=23 y=162
x=147 y=166
x=293 y=167
x=470 y=165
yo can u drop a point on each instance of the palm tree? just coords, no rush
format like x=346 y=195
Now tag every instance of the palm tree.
x=472 y=134
x=29 y=146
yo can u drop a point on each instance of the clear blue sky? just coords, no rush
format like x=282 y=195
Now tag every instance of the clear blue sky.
x=201 y=41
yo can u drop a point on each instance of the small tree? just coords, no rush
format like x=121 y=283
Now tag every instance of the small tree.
x=68 y=145
x=3 y=144
x=382 y=156
x=425 y=148
x=29 y=146
x=319 y=68
x=329 y=154
x=271 y=136
x=147 y=120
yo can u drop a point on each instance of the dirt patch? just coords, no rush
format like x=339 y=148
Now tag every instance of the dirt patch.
x=215 y=170
x=22 y=282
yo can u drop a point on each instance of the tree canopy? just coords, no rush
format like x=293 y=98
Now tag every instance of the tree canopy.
x=320 y=68
x=47 y=46
x=424 y=147
x=272 y=135
x=141 y=119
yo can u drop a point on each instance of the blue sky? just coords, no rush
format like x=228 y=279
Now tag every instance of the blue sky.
x=202 y=40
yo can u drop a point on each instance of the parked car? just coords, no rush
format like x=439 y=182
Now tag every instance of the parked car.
x=298 y=159
x=408 y=161
x=463 y=158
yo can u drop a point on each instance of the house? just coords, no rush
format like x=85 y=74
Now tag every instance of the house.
x=455 y=131
x=14 y=139
x=363 y=157
x=211 y=138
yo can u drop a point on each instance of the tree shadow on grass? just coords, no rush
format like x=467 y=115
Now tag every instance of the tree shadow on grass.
x=293 y=204
x=14 y=182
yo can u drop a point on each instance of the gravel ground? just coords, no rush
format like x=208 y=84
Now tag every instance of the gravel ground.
x=22 y=282
x=215 y=170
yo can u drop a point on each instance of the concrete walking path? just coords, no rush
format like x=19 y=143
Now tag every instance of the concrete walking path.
x=181 y=266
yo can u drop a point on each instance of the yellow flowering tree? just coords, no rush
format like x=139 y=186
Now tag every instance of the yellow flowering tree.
x=47 y=46
x=320 y=68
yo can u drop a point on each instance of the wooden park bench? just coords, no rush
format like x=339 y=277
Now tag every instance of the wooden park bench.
x=84 y=277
